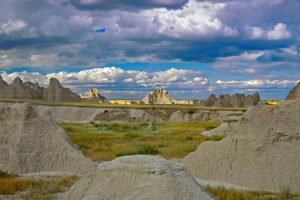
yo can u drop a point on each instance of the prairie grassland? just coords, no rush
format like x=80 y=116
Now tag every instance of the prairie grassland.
x=106 y=141
x=230 y=194
x=34 y=188
x=121 y=106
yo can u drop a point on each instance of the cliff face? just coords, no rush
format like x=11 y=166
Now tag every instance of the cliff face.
x=294 y=93
x=93 y=96
x=159 y=96
x=237 y=100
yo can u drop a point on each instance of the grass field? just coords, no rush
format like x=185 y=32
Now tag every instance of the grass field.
x=230 y=194
x=122 y=106
x=108 y=141
x=34 y=188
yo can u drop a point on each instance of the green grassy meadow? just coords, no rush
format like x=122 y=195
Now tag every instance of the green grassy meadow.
x=106 y=141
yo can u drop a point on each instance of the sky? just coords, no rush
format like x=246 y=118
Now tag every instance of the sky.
x=127 y=48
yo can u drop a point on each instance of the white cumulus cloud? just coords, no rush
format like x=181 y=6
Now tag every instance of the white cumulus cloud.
x=12 y=26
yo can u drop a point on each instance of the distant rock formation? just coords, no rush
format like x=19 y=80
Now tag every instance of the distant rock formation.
x=3 y=84
x=19 y=90
x=57 y=93
x=138 y=177
x=93 y=96
x=261 y=152
x=237 y=100
x=294 y=94
x=28 y=90
x=159 y=96
x=30 y=143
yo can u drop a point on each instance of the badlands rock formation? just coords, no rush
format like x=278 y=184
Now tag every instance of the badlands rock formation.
x=159 y=96
x=29 y=144
x=28 y=90
x=57 y=93
x=93 y=96
x=19 y=90
x=3 y=84
x=294 y=93
x=237 y=100
x=138 y=177
x=261 y=153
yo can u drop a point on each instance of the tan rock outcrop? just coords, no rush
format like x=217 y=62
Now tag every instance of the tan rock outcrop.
x=260 y=153
x=30 y=144
x=93 y=96
x=159 y=96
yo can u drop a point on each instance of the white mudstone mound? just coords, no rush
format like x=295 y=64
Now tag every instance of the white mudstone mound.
x=138 y=177
x=261 y=153
x=29 y=144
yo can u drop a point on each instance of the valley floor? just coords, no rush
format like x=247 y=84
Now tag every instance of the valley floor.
x=106 y=141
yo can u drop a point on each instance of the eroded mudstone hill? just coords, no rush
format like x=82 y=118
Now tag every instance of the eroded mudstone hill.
x=30 y=143
x=261 y=153
x=294 y=94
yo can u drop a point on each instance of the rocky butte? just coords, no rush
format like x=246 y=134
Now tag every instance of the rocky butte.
x=236 y=100
x=57 y=93
x=158 y=96
x=93 y=96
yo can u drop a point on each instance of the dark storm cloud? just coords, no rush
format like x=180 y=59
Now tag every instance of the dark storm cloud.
x=127 y=4
x=197 y=32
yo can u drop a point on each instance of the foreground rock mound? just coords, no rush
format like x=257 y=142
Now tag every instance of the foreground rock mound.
x=93 y=96
x=57 y=93
x=237 y=100
x=29 y=144
x=138 y=177
x=294 y=93
x=262 y=152
x=159 y=96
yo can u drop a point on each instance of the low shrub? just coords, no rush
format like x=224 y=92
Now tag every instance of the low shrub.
x=148 y=149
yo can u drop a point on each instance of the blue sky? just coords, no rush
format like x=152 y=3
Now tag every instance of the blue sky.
x=191 y=47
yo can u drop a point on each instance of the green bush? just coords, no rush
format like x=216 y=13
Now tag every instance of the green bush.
x=210 y=127
x=6 y=175
x=147 y=149
x=131 y=135
x=217 y=137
